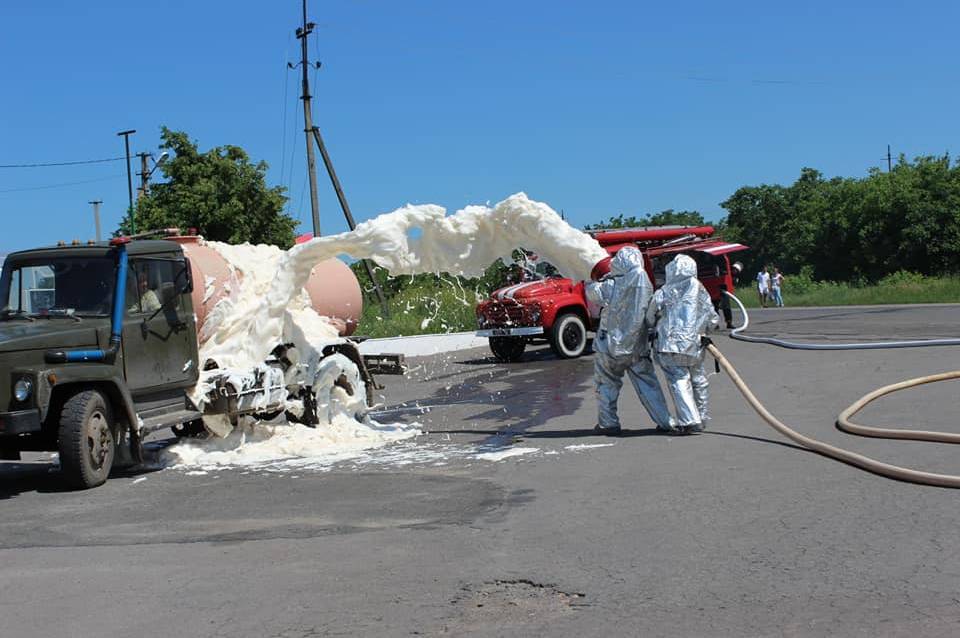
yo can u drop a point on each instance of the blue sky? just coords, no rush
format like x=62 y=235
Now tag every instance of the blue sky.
x=594 y=107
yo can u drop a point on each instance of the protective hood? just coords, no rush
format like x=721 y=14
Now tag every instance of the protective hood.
x=683 y=267
x=682 y=310
x=626 y=260
x=624 y=295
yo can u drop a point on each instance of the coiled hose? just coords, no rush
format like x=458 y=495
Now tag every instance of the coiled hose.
x=843 y=421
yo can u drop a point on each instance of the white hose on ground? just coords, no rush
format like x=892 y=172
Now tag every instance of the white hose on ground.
x=795 y=345
x=844 y=423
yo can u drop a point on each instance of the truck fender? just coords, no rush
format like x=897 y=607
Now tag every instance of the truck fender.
x=60 y=381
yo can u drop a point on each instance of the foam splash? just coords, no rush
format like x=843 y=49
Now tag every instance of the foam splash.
x=465 y=243
x=269 y=306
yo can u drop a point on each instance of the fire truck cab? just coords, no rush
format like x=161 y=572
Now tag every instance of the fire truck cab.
x=546 y=307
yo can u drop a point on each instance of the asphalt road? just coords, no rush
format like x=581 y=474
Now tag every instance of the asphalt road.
x=731 y=533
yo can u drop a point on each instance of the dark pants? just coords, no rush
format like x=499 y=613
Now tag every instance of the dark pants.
x=723 y=305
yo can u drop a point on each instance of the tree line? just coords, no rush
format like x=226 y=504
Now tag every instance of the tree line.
x=836 y=229
x=853 y=229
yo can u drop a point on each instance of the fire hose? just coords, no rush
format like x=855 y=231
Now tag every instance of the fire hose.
x=843 y=420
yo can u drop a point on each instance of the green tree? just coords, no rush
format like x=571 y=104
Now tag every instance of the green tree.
x=219 y=192
x=854 y=229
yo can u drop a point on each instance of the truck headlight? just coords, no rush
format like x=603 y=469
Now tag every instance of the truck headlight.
x=22 y=390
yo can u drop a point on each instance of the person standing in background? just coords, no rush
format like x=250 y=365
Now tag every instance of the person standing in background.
x=763 y=286
x=776 y=281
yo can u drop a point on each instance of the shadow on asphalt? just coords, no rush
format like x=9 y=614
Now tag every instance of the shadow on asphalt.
x=759 y=439
x=18 y=478
x=513 y=400
x=530 y=356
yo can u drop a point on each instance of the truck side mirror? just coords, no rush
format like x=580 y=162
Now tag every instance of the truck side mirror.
x=187 y=276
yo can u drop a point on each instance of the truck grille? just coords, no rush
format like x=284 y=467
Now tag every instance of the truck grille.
x=498 y=314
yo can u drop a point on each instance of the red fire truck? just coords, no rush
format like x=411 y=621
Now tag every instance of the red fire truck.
x=545 y=307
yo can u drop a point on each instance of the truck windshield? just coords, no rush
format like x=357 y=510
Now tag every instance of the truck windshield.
x=73 y=286
x=535 y=270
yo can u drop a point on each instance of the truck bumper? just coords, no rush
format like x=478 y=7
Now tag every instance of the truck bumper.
x=510 y=332
x=19 y=422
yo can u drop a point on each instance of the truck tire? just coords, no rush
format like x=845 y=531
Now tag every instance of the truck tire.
x=508 y=348
x=87 y=445
x=568 y=336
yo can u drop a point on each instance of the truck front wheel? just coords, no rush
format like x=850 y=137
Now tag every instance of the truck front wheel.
x=568 y=337
x=507 y=348
x=87 y=443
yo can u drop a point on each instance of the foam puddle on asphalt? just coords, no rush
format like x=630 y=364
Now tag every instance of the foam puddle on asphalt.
x=300 y=449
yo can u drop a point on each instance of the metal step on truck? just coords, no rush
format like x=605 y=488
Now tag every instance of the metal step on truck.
x=99 y=348
x=541 y=306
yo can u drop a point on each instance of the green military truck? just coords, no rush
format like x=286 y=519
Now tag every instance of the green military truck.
x=98 y=348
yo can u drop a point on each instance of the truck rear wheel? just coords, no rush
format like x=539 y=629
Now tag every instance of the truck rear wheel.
x=568 y=336
x=87 y=443
x=508 y=348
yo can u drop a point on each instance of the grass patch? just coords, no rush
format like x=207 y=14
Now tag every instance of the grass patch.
x=446 y=304
x=423 y=307
x=899 y=288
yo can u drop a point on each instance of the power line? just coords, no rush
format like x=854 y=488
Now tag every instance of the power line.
x=45 y=164
x=48 y=186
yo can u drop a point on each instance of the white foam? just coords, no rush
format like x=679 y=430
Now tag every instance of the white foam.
x=263 y=444
x=587 y=446
x=505 y=453
x=465 y=243
x=268 y=306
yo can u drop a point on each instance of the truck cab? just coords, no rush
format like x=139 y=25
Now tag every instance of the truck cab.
x=556 y=310
x=84 y=365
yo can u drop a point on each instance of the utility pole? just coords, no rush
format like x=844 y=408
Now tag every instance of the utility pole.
x=126 y=140
x=302 y=34
x=96 y=215
x=313 y=135
x=889 y=160
x=144 y=175
x=348 y=214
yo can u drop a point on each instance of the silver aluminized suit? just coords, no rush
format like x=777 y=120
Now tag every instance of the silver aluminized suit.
x=682 y=311
x=621 y=343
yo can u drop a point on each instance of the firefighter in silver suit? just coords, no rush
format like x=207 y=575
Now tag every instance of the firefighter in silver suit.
x=622 y=345
x=682 y=312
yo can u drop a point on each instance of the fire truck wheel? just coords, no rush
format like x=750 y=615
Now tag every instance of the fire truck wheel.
x=508 y=348
x=568 y=337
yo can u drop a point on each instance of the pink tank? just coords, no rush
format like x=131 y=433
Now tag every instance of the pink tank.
x=333 y=288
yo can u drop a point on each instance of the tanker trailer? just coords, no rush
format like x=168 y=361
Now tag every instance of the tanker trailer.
x=334 y=293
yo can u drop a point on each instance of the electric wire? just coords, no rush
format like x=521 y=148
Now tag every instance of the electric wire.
x=60 y=185
x=73 y=163
x=844 y=423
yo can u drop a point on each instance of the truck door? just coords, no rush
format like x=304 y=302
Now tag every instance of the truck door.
x=159 y=342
